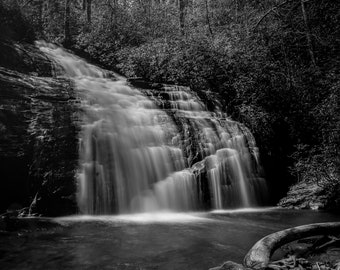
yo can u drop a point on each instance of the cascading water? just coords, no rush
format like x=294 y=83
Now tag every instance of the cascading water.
x=151 y=150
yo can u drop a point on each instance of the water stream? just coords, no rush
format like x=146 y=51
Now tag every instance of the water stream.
x=147 y=241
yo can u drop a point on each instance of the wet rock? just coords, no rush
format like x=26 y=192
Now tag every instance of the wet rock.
x=309 y=195
x=38 y=143
x=24 y=58
x=207 y=139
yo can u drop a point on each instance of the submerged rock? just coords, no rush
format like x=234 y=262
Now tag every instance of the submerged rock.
x=27 y=224
x=229 y=265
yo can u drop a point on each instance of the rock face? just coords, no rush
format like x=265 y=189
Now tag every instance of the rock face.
x=24 y=58
x=213 y=157
x=200 y=134
x=306 y=195
x=38 y=134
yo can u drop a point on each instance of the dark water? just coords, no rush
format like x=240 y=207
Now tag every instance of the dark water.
x=147 y=241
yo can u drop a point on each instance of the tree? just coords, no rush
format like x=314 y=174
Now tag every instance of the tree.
x=308 y=34
x=67 y=37
x=88 y=12
x=182 y=11
x=208 y=17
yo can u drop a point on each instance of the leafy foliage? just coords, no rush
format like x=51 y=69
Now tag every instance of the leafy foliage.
x=13 y=24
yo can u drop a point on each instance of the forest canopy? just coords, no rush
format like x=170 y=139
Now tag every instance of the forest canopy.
x=272 y=64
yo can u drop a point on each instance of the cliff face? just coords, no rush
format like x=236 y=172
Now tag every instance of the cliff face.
x=39 y=141
x=38 y=134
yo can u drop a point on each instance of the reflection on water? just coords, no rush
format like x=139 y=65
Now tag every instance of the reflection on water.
x=142 y=241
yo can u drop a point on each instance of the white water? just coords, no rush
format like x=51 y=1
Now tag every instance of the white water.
x=131 y=156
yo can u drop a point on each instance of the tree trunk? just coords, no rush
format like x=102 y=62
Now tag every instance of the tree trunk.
x=40 y=7
x=182 y=7
x=308 y=35
x=208 y=17
x=88 y=11
x=259 y=255
x=114 y=12
x=67 y=37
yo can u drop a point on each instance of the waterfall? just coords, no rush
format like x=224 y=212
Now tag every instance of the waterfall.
x=144 y=150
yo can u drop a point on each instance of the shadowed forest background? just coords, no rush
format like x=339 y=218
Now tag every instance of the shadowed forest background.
x=272 y=65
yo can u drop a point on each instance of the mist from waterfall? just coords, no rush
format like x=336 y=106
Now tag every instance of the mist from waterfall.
x=146 y=151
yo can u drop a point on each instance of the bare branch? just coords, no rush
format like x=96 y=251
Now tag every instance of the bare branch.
x=270 y=11
x=27 y=3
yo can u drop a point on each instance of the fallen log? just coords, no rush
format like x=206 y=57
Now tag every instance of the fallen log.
x=259 y=255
